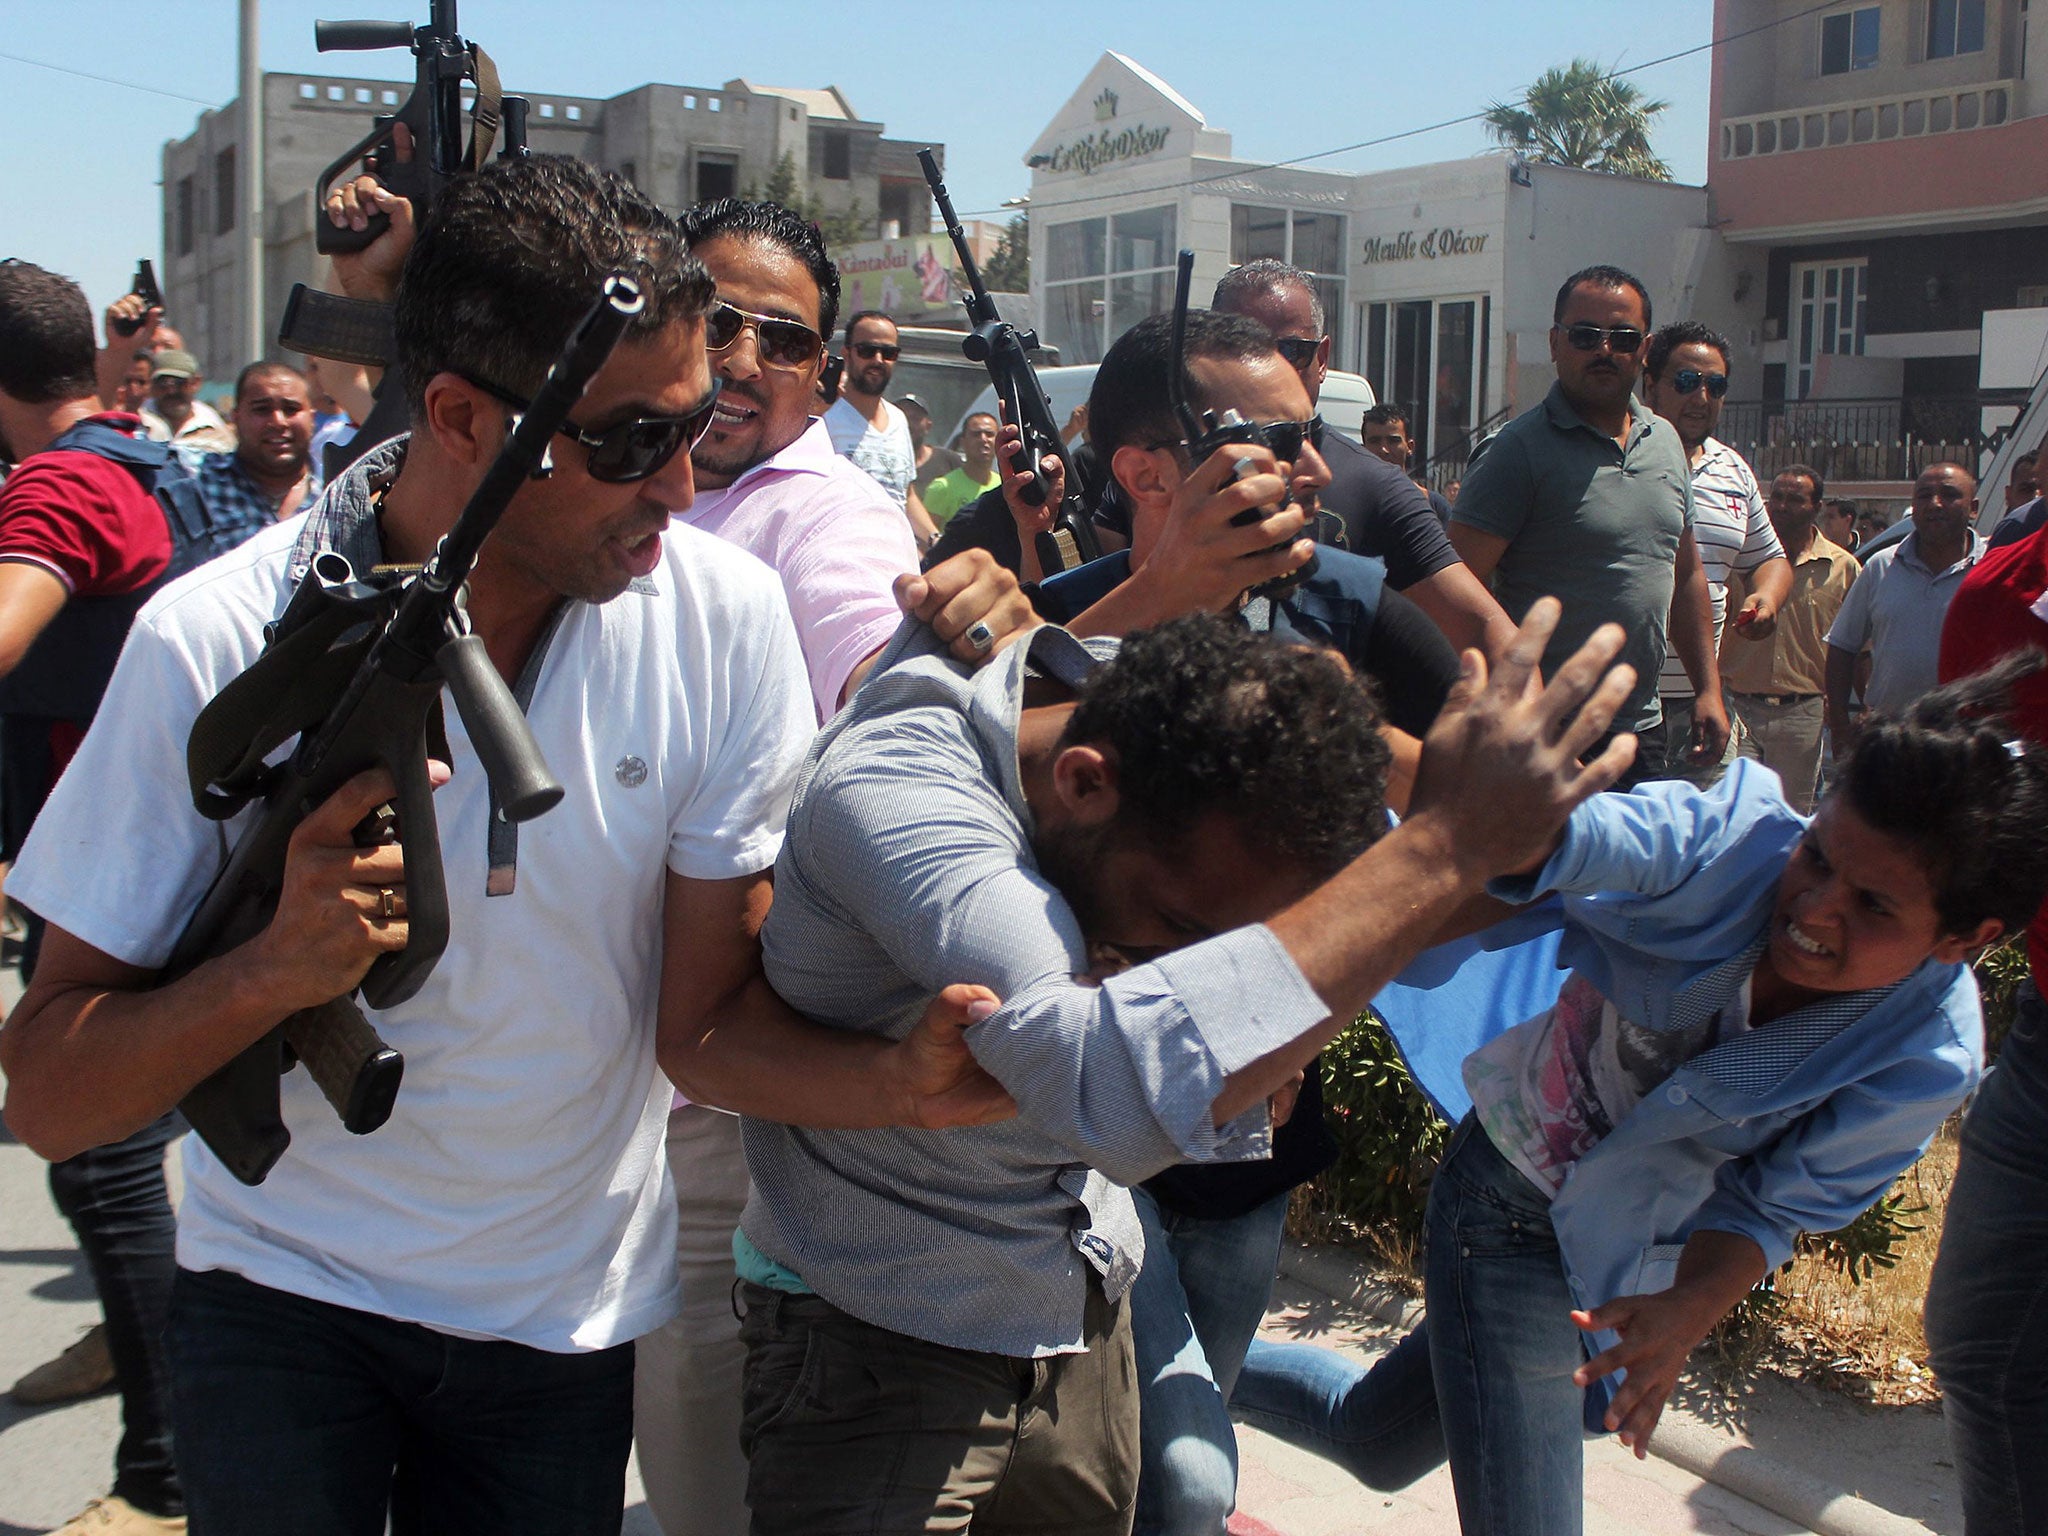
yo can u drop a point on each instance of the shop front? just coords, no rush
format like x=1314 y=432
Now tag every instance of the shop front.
x=1436 y=280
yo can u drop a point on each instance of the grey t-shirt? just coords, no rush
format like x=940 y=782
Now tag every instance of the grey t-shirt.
x=1590 y=522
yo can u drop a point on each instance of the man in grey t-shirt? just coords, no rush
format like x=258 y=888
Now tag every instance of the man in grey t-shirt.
x=1588 y=498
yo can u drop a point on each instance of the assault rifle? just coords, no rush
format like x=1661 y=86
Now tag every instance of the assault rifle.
x=354 y=668
x=1005 y=351
x=352 y=330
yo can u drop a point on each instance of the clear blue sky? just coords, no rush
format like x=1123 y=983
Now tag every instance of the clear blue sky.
x=78 y=179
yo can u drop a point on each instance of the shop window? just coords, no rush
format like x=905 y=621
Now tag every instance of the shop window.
x=1428 y=356
x=1102 y=276
x=1849 y=39
x=1312 y=241
x=1954 y=27
x=224 y=191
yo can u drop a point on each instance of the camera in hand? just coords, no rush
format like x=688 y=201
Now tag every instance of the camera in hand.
x=1231 y=427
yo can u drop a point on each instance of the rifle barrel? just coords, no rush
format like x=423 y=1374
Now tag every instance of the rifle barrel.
x=959 y=236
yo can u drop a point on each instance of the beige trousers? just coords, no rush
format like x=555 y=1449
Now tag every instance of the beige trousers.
x=686 y=1391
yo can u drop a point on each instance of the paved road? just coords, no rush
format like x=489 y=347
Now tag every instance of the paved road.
x=53 y=1460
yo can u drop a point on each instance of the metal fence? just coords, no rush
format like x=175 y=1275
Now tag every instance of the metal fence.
x=1876 y=439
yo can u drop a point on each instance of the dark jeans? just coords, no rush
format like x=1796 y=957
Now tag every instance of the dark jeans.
x=1987 y=1307
x=118 y=1205
x=300 y=1418
x=1487 y=1379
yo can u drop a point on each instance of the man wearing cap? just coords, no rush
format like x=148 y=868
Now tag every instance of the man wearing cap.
x=933 y=459
x=175 y=413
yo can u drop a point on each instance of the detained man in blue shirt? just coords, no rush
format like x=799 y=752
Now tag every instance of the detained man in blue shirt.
x=936 y=1323
x=1764 y=1022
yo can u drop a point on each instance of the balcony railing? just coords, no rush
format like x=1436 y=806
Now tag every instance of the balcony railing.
x=1878 y=439
x=1911 y=116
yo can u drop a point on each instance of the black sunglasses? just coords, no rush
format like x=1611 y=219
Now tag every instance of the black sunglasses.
x=874 y=349
x=1297 y=349
x=1686 y=380
x=782 y=343
x=1283 y=437
x=1588 y=338
x=631 y=450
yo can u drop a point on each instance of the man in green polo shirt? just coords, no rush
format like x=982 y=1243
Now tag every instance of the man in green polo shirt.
x=977 y=471
x=1588 y=498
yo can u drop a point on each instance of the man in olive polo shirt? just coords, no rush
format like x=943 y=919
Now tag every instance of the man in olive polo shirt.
x=1775 y=683
x=1588 y=498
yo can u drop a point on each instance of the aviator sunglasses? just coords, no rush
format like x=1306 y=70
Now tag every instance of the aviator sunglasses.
x=1283 y=437
x=1686 y=380
x=870 y=350
x=633 y=449
x=1297 y=349
x=782 y=343
x=1588 y=338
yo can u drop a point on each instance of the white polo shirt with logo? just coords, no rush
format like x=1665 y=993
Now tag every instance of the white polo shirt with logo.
x=518 y=1190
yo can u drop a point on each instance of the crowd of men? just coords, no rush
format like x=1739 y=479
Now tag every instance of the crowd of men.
x=877 y=1087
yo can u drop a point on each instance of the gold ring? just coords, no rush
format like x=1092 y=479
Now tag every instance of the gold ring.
x=387 y=904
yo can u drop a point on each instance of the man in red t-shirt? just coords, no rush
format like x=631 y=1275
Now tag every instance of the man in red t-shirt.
x=81 y=544
x=1986 y=1323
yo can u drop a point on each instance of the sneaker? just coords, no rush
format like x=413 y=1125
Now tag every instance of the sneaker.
x=117 y=1517
x=83 y=1369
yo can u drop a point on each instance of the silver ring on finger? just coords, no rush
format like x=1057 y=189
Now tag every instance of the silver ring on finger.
x=981 y=637
x=387 y=903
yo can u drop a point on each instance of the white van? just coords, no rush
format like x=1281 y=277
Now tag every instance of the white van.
x=1346 y=398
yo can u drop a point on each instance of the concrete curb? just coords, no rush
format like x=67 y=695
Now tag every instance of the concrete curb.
x=1743 y=1470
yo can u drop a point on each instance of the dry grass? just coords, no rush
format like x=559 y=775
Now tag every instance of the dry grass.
x=1867 y=1338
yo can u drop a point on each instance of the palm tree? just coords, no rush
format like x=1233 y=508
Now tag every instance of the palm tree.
x=1577 y=114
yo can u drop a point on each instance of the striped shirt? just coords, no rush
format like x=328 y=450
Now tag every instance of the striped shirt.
x=908 y=865
x=1733 y=530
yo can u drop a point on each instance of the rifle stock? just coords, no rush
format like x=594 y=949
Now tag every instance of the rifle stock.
x=1006 y=352
x=355 y=671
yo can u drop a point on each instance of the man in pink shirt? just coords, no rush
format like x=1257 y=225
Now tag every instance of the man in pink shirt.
x=769 y=481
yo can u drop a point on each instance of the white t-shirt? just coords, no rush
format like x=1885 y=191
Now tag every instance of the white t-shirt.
x=519 y=1189
x=885 y=452
x=1732 y=527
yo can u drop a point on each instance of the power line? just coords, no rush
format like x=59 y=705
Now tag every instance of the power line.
x=129 y=85
x=1409 y=133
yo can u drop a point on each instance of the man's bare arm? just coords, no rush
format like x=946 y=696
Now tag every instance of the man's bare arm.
x=94 y=1051
x=1480 y=551
x=725 y=1039
x=1458 y=603
x=30 y=597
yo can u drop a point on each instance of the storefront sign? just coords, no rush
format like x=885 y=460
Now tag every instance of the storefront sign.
x=1428 y=245
x=1089 y=154
x=905 y=279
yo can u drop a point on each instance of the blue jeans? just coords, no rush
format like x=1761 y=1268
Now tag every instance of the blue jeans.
x=1987 y=1307
x=119 y=1207
x=307 y=1419
x=1487 y=1379
x=1194 y=1309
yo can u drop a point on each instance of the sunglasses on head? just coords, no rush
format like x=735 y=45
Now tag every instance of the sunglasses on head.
x=1686 y=380
x=781 y=343
x=1283 y=437
x=870 y=350
x=1297 y=349
x=1589 y=338
x=630 y=450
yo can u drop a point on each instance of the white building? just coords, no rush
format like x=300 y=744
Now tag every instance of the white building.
x=1437 y=280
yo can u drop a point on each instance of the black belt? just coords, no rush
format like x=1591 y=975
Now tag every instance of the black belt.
x=1776 y=699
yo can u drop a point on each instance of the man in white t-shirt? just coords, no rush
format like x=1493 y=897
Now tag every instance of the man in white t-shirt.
x=869 y=430
x=432 y=1324
x=1685 y=379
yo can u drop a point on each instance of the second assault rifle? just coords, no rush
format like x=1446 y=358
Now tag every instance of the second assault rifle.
x=357 y=331
x=354 y=668
x=1006 y=352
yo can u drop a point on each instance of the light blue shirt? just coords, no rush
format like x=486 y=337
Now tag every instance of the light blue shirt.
x=1795 y=1126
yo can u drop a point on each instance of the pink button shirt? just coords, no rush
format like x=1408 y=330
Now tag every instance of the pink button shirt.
x=834 y=538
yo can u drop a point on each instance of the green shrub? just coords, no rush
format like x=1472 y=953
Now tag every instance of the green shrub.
x=1999 y=973
x=1388 y=1142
